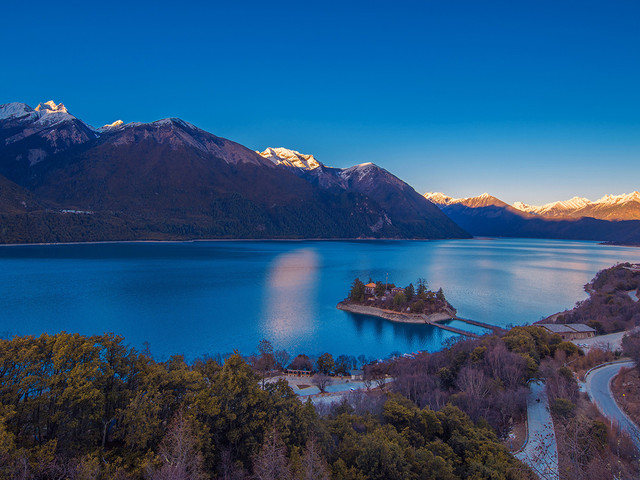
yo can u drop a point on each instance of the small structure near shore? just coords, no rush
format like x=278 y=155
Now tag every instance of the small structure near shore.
x=370 y=289
x=569 y=331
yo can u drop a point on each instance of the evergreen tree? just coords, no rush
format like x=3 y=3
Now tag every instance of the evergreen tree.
x=409 y=292
x=357 y=291
x=325 y=363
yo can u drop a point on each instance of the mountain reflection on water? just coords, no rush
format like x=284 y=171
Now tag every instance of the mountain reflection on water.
x=198 y=298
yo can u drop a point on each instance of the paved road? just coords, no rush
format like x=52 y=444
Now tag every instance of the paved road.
x=541 y=450
x=598 y=385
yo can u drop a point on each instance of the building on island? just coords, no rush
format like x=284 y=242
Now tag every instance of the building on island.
x=396 y=290
x=569 y=331
x=370 y=289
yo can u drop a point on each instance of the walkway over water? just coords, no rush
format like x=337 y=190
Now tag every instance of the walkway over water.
x=459 y=331
x=488 y=326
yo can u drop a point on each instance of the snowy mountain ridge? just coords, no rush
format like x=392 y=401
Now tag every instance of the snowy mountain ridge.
x=482 y=200
x=625 y=206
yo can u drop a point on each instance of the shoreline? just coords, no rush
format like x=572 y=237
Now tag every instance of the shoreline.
x=196 y=240
x=398 y=317
x=301 y=240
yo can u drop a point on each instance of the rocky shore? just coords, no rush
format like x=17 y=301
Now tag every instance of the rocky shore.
x=394 y=316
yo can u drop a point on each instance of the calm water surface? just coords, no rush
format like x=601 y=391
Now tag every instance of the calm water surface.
x=213 y=297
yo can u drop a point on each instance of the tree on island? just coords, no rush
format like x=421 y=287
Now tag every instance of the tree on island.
x=399 y=299
x=381 y=289
x=409 y=292
x=357 y=291
x=422 y=288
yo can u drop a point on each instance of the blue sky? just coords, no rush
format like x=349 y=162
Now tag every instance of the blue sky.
x=529 y=100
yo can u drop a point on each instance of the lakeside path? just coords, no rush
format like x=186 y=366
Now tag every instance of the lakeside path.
x=541 y=450
x=598 y=385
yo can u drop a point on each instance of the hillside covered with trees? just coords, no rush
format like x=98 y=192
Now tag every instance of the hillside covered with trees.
x=78 y=407
x=89 y=407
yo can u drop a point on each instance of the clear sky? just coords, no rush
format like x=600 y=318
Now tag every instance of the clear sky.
x=530 y=100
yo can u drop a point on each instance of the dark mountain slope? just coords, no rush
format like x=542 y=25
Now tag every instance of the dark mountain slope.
x=404 y=209
x=400 y=201
x=171 y=180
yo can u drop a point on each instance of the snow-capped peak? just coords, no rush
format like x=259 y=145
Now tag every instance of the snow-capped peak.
x=482 y=200
x=439 y=198
x=111 y=126
x=290 y=158
x=523 y=207
x=45 y=115
x=51 y=106
x=15 y=110
x=554 y=208
x=619 y=199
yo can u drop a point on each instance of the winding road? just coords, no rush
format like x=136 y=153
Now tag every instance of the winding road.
x=598 y=385
x=541 y=450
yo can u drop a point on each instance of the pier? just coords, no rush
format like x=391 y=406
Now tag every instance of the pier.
x=493 y=328
x=453 y=329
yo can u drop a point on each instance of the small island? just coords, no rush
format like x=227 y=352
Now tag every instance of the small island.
x=407 y=305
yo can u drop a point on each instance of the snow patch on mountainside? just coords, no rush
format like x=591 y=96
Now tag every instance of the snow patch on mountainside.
x=290 y=158
x=483 y=200
x=579 y=206
x=554 y=208
x=15 y=110
x=111 y=126
x=439 y=198
x=619 y=199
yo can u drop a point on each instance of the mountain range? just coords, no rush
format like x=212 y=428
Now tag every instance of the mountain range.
x=609 y=207
x=613 y=218
x=63 y=180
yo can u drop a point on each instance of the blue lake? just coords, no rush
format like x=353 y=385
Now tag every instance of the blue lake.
x=198 y=298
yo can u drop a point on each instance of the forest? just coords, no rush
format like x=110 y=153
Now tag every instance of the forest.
x=79 y=407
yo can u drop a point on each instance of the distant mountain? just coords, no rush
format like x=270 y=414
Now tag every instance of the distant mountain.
x=554 y=209
x=609 y=207
x=484 y=200
x=486 y=215
x=404 y=207
x=63 y=180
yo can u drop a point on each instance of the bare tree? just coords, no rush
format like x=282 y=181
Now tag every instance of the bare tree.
x=179 y=454
x=313 y=465
x=321 y=381
x=474 y=382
